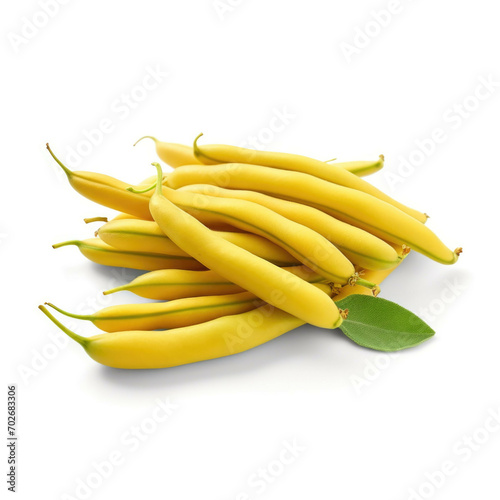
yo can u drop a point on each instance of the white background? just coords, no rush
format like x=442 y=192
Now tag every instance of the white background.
x=229 y=72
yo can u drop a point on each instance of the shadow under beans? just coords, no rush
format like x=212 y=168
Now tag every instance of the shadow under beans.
x=123 y=274
x=303 y=347
x=418 y=279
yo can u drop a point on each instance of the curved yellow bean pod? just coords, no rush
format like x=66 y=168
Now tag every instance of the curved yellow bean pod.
x=219 y=153
x=360 y=247
x=267 y=281
x=101 y=253
x=349 y=205
x=213 y=339
x=168 y=315
x=146 y=236
x=169 y=284
x=107 y=191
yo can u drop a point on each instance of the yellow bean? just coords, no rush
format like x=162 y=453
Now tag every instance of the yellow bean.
x=169 y=284
x=107 y=191
x=99 y=252
x=168 y=315
x=220 y=153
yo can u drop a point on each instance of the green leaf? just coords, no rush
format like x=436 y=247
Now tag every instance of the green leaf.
x=382 y=325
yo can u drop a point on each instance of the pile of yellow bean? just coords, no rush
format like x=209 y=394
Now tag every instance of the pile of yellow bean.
x=240 y=246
